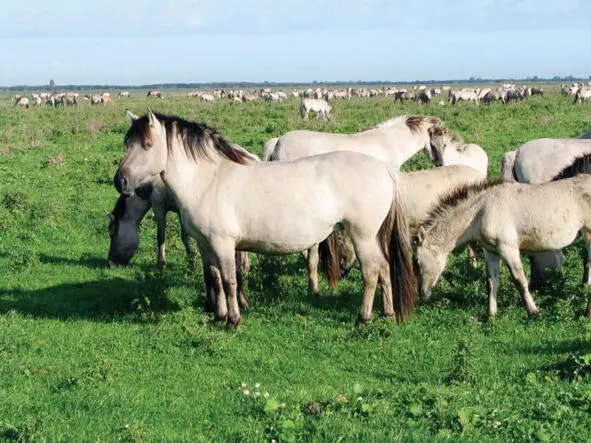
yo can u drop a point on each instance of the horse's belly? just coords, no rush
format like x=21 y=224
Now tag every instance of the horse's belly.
x=544 y=239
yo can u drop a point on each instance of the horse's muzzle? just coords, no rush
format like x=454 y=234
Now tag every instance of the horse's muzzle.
x=122 y=185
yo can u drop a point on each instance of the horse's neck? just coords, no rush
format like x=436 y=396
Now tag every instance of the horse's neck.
x=455 y=227
x=403 y=143
x=188 y=180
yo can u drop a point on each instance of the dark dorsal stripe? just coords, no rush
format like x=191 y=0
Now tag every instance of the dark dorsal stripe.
x=197 y=137
x=457 y=196
x=580 y=165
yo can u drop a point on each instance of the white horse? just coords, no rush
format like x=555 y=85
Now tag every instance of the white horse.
x=538 y=161
x=228 y=203
x=506 y=218
x=468 y=95
x=319 y=106
x=393 y=141
x=448 y=149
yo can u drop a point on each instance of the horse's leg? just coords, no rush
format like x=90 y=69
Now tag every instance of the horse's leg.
x=493 y=270
x=513 y=260
x=586 y=265
x=473 y=254
x=226 y=257
x=160 y=216
x=312 y=260
x=541 y=262
x=188 y=246
x=387 y=292
x=241 y=269
x=367 y=252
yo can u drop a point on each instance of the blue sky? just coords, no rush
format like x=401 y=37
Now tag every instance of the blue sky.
x=153 y=41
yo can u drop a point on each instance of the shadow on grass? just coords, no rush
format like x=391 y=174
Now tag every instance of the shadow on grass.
x=103 y=300
x=92 y=262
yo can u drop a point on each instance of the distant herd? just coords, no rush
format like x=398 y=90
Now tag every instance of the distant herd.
x=422 y=94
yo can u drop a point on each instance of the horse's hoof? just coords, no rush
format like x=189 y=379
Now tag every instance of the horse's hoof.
x=360 y=323
x=388 y=314
x=162 y=266
x=233 y=323
x=533 y=313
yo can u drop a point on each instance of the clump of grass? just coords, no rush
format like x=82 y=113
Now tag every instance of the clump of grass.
x=56 y=160
x=462 y=368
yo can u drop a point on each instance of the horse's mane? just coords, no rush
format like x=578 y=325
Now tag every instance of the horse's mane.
x=456 y=196
x=580 y=165
x=414 y=122
x=197 y=137
x=442 y=131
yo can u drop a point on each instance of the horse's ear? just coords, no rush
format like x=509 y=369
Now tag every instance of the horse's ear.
x=152 y=118
x=131 y=117
x=421 y=235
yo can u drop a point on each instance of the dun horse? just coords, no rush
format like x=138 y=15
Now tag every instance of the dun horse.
x=393 y=141
x=505 y=218
x=124 y=222
x=229 y=203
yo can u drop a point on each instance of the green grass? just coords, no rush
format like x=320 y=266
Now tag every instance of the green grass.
x=89 y=353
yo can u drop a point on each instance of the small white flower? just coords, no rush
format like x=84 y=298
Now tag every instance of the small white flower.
x=246 y=392
x=243 y=385
x=257 y=394
x=266 y=394
x=257 y=385
x=283 y=405
x=359 y=398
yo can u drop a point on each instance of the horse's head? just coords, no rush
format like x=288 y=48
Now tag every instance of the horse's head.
x=431 y=263
x=146 y=156
x=438 y=139
x=124 y=236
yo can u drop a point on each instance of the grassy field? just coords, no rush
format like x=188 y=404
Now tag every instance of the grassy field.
x=89 y=353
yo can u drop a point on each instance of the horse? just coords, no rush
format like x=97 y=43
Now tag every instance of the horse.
x=153 y=93
x=228 y=203
x=124 y=222
x=448 y=149
x=22 y=102
x=468 y=95
x=319 y=106
x=505 y=218
x=583 y=95
x=422 y=189
x=393 y=141
x=539 y=161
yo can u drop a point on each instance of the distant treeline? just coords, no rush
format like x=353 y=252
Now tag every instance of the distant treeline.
x=250 y=85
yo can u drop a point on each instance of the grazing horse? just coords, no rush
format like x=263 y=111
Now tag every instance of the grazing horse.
x=228 y=203
x=468 y=95
x=152 y=93
x=422 y=190
x=505 y=218
x=124 y=222
x=319 y=106
x=539 y=161
x=393 y=141
x=449 y=149
x=22 y=102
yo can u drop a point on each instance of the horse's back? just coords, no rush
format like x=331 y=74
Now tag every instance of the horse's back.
x=538 y=161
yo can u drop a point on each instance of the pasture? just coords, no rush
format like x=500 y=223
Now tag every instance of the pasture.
x=92 y=353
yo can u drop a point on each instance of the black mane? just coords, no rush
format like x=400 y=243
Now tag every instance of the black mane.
x=197 y=137
x=456 y=196
x=580 y=165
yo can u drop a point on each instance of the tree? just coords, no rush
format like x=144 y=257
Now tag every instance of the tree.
x=51 y=84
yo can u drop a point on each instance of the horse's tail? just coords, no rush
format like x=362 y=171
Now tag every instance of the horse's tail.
x=330 y=259
x=269 y=149
x=302 y=109
x=394 y=237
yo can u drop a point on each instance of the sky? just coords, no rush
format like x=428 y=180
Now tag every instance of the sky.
x=136 y=42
